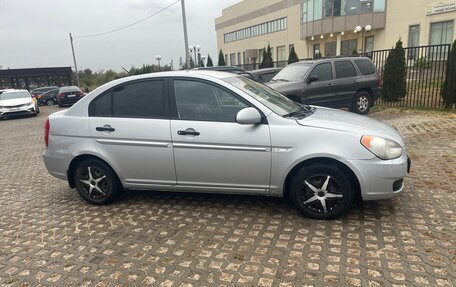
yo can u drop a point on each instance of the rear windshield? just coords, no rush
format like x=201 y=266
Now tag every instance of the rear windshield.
x=69 y=89
x=365 y=66
x=292 y=73
x=14 y=95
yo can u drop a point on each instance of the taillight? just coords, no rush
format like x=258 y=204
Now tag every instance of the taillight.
x=62 y=95
x=80 y=94
x=47 y=129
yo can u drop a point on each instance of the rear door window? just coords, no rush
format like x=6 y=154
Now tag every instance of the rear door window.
x=344 y=69
x=365 y=66
x=143 y=99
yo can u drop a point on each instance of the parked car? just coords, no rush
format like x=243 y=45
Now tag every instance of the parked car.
x=67 y=96
x=229 y=69
x=17 y=103
x=48 y=98
x=217 y=132
x=351 y=82
x=264 y=75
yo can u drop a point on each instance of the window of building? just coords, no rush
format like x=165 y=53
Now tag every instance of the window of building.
x=316 y=49
x=352 y=7
x=232 y=59
x=367 y=6
x=330 y=49
x=136 y=100
x=226 y=59
x=281 y=53
x=322 y=71
x=442 y=33
x=260 y=29
x=348 y=46
x=260 y=54
x=379 y=6
x=318 y=9
x=414 y=36
x=199 y=101
x=369 y=44
x=328 y=8
x=239 y=61
x=344 y=69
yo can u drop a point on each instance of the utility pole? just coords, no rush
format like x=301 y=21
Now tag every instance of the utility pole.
x=184 y=20
x=74 y=59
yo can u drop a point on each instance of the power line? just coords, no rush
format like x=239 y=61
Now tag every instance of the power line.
x=125 y=27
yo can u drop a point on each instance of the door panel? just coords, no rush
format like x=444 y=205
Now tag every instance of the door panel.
x=321 y=92
x=210 y=148
x=224 y=154
x=139 y=149
x=131 y=127
x=346 y=83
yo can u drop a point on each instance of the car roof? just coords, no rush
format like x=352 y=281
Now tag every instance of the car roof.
x=220 y=68
x=265 y=70
x=311 y=62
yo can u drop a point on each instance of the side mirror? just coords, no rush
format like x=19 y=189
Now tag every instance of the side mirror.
x=248 y=116
x=311 y=79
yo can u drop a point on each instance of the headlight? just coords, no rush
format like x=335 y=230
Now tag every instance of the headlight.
x=381 y=147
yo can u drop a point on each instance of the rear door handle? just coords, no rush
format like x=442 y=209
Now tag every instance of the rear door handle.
x=105 y=128
x=188 y=131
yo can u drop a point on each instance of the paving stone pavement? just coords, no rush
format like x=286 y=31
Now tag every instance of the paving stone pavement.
x=50 y=237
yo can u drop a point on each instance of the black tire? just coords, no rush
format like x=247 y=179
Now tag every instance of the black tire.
x=310 y=202
x=50 y=102
x=60 y=105
x=102 y=187
x=361 y=103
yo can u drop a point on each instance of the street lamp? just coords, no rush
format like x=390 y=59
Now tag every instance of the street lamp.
x=358 y=29
x=203 y=58
x=195 y=49
x=158 y=57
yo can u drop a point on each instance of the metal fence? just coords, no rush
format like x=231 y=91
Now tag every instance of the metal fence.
x=426 y=67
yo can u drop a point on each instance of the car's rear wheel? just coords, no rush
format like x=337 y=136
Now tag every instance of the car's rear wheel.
x=362 y=103
x=96 y=182
x=322 y=191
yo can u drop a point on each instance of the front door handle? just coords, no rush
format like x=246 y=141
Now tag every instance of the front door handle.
x=188 y=131
x=105 y=128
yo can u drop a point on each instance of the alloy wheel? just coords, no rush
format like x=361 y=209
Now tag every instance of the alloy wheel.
x=363 y=103
x=94 y=183
x=322 y=193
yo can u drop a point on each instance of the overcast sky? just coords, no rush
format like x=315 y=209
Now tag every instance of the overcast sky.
x=34 y=33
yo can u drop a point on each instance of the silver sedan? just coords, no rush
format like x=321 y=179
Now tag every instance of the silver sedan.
x=206 y=131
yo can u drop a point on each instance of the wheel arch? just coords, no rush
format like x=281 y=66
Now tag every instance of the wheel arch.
x=323 y=160
x=75 y=161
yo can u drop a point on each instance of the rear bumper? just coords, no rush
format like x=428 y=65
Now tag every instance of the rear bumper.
x=55 y=164
x=376 y=94
x=69 y=101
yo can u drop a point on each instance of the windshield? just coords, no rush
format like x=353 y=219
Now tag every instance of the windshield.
x=292 y=73
x=14 y=95
x=269 y=97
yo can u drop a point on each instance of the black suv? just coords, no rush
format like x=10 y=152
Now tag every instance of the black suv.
x=349 y=82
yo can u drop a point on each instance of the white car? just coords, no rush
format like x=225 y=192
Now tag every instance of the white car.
x=17 y=103
x=208 y=131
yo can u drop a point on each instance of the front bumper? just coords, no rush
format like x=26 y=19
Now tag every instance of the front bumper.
x=20 y=111
x=381 y=179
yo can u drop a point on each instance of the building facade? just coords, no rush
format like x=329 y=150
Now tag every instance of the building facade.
x=33 y=78
x=330 y=27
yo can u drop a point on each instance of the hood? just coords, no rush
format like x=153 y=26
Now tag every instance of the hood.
x=327 y=118
x=279 y=85
x=15 y=102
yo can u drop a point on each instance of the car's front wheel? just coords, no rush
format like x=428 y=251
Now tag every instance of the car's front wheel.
x=50 y=102
x=96 y=182
x=362 y=103
x=322 y=191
